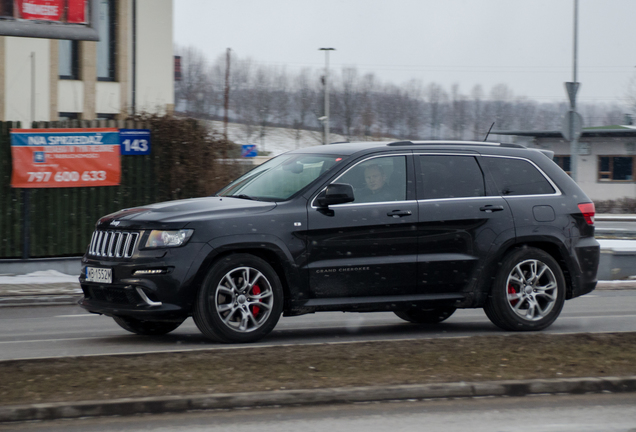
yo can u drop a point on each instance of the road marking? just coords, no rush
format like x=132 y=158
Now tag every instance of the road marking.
x=76 y=315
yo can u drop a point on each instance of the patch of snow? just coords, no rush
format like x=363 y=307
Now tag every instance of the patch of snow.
x=277 y=140
x=39 y=277
x=618 y=245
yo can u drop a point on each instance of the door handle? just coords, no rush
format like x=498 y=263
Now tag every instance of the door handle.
x=491 y=208
x=399 y=213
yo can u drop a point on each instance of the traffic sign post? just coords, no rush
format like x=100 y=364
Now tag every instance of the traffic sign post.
x=572 y=127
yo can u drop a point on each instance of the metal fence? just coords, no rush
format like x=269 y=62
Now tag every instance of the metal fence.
x=36 y=223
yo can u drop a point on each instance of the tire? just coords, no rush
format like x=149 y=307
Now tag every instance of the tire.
x=528 y=292
x=241 y=300
x=426 y=316
x=147 y=328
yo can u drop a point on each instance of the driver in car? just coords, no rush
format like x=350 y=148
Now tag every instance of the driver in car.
x=376 y=188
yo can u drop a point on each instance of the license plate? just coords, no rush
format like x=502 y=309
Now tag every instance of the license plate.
x=101 y=275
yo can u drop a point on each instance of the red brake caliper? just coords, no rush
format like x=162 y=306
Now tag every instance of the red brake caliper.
x=256 y=290
x=511 y=290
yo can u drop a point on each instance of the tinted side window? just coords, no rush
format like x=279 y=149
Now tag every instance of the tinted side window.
x=517 y=177
x=450 y=177
x=378 y=179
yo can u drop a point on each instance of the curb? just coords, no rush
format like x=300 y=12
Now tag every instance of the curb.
x=175 y=404
x=48 y=300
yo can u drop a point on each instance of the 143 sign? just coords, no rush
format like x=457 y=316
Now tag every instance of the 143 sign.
x=134 y=141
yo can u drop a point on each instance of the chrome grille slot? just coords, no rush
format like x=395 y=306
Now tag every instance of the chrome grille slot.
x=113 y=244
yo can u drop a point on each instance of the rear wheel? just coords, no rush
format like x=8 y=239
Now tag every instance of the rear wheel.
x=528 y=292
x=241 y=300
x=426 y=316
x=147 y=328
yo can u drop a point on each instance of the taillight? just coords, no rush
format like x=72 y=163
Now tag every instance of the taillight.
x=588 y=211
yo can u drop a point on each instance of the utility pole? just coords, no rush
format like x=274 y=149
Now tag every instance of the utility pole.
x=326 y=117
x=226 y=103
x=573 y=122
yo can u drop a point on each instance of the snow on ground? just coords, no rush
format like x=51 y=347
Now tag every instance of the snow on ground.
x=618 y=245
x=38 y=277
x=276 y=140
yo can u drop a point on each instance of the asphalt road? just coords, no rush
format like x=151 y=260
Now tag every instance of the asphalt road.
x=51 y=331
x=582 y=413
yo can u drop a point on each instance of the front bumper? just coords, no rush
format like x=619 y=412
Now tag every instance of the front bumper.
x=161 y=296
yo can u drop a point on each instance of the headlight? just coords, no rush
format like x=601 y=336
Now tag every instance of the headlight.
x=173 y=238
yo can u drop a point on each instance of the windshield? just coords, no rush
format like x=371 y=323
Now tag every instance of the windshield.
x=280 y=178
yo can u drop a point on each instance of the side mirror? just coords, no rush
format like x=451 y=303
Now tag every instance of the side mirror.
x=336 y=193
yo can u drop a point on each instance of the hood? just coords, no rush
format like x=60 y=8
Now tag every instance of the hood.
x=177 y=214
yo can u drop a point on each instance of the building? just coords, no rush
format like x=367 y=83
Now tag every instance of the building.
x=606 y=161
x=130 y=69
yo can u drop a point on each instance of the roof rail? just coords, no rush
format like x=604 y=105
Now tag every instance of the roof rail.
x=443 y=142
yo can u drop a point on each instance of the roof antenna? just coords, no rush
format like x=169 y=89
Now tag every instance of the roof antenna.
x=493 y=123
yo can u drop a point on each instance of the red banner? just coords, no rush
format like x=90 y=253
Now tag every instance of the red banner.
x=56 y=158
x=69 y=11
x=45 y=10
x=76 y=11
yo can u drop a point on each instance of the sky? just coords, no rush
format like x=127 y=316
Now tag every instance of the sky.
x=525 y=44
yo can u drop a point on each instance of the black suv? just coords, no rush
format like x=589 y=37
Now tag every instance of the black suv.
x=417 y=228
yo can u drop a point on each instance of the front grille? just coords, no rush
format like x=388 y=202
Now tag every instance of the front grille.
x=114 y=295
x=113 y=244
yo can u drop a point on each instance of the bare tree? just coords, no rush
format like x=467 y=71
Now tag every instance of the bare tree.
x=348 y=99
x=501 y=97
x=459 y=113
x=477 y=95
x=195 y=91
x=413 y=109
x=303 y=103
x=436 y=99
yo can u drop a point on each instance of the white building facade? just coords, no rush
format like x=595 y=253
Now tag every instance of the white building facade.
x=606 y=163
x=130 y=70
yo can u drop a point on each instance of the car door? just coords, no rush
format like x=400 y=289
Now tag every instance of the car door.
x=367 y=247
x=459 y=223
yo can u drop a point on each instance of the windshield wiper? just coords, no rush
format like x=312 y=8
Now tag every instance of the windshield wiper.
x=243 y=196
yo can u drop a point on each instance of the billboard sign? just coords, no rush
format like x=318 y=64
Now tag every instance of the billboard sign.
x=53 y=19
x=68 y=11
x=134 y=141
x=55 y=158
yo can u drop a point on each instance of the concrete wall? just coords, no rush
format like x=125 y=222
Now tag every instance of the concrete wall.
x=18 y=88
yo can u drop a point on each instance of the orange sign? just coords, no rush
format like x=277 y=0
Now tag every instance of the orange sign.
x=55 y=158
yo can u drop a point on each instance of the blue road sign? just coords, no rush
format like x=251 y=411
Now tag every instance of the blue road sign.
x=249 y=150
x=134 y=141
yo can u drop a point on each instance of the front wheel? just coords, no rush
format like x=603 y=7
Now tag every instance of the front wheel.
x=241 y=300
x=147 y=328
x=528 y=292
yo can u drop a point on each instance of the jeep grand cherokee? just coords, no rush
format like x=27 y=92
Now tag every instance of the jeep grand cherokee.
x=452 y=225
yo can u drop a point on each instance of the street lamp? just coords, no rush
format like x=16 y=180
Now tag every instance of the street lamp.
x=326 y=116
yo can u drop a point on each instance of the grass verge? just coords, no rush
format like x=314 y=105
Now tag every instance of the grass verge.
x=481 y=358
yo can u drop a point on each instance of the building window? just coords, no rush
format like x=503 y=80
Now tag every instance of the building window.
x=564 y=163
x=68 y=59
x=106 y=45
x=616 y=168
x=106 y=117
x=66 y=116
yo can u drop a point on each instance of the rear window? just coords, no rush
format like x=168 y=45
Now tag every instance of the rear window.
x=517 y=177
x=449 y=176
